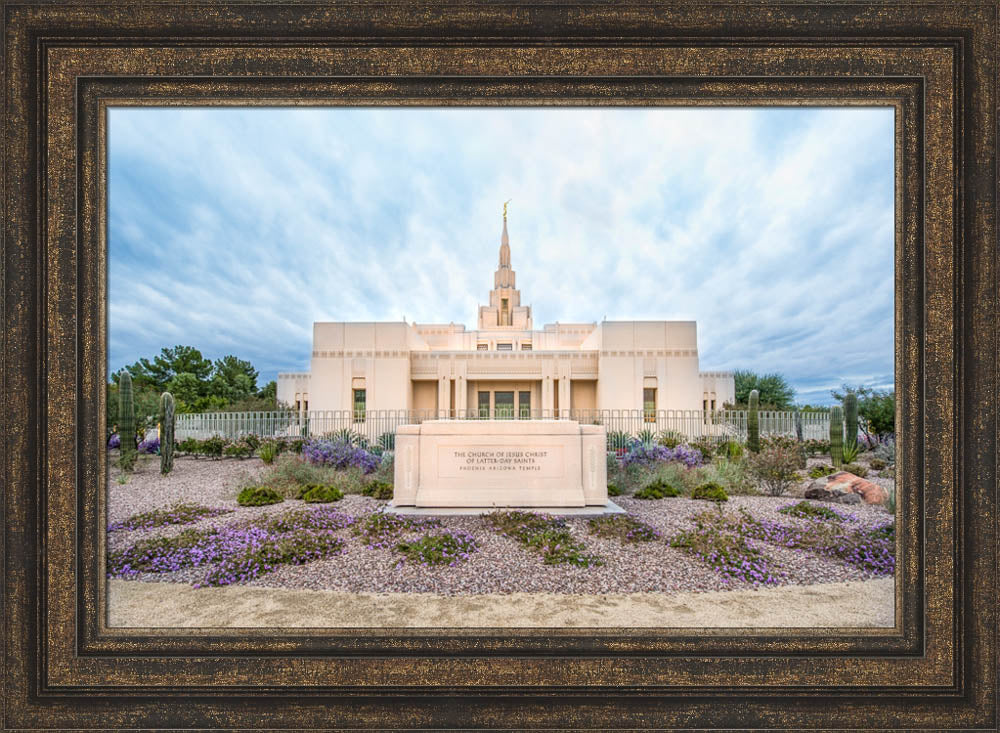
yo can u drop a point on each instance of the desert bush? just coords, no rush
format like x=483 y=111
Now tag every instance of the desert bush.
x=646 y=437
x=188 y=446
x=613 y=490
x=775 y=469
x=732 y=475
x=876 y=464
x=212 y=447
x=704 y=445
x=787 y=442
x=378 y=490
x=807 y=510
x=858 y=469
x=321 y=494
x=731 y=449
x=816 y=447
x=657 y=490
x=820 y=471
x=149 y=447
x=886 y=451
x=268 y=451
x=709 y=491
x=258 y=496
x=238 y=449
x=385 y=471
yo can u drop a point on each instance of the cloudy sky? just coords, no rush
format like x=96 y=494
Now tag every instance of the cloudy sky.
x=233 y=230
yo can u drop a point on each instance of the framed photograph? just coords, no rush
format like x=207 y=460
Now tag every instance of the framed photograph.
x=534 y=366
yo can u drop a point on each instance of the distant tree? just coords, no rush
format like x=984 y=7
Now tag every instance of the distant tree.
x=269 y=392
x=170 y=362
x=876 y=407
x=774 y=390
x=233 y=378
x=186 y=388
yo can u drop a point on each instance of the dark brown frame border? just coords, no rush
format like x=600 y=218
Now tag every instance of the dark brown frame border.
x=935 y=64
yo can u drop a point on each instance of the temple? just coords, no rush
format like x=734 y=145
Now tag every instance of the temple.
x=505 y=368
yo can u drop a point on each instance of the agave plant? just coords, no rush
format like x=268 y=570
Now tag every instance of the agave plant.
x=646 y=437
x=850 y=451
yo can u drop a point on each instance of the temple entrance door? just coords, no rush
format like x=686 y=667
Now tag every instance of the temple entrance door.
x=503 y=405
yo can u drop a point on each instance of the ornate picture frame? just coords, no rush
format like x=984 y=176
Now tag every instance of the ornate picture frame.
x=64 y=668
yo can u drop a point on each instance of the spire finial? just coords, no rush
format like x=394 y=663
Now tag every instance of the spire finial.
x=505 y=208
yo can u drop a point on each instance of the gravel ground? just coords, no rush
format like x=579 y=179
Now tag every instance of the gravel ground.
x=500 y=566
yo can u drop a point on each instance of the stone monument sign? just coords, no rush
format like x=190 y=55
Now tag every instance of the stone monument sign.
x=500 y=463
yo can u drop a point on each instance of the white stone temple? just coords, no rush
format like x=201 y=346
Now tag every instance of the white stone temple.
x=506 y=367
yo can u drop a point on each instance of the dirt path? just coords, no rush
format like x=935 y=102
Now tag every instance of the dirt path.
x=854 y=604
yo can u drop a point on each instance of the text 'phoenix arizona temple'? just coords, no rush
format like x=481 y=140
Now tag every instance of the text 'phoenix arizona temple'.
x=505 y=368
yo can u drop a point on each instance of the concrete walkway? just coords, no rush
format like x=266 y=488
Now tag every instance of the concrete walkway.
x=148 y=604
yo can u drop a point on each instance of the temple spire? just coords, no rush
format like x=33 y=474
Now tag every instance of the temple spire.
x=504 y=240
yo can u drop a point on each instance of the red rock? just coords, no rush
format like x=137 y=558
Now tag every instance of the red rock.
x=849 y=483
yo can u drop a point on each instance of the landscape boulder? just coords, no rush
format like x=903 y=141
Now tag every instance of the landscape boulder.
x=837 y=487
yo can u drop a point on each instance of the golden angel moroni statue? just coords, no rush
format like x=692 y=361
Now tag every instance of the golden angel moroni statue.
x=505 y=207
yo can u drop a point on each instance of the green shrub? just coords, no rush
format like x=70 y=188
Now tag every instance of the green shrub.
x=321 y=494
x=788 y=443
x=213 y=446
x=706 y=445
x=268 y=451
x=258 y=496
x=731 y=449
x=877 y=464
x=613 y=490
x=289 y=473
x=820 y=471
x=657 y=490
x=857 y=469
x=732 y=475
x=709 y=491
x=253 y=440
x=384 y=472
x=378 y=490
x=816 y=447
x=807 y=510
x=188 y=446
x=775 y=469
x=239 y=449
x=671 y=438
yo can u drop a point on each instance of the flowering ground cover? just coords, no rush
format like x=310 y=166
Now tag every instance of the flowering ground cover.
x=750 y=541
x=237 y=552
x=179 y=513
x=543 y=533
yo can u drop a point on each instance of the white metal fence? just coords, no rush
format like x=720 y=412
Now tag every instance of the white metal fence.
x=378 y=426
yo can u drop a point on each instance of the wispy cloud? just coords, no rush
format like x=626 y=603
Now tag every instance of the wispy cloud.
x=233 y=230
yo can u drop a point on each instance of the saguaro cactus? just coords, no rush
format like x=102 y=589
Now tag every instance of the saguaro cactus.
x=753 y=422
x=798 y=425
x=166 y=432
x=851 y=415
x=126 y=422
x=837 y=435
